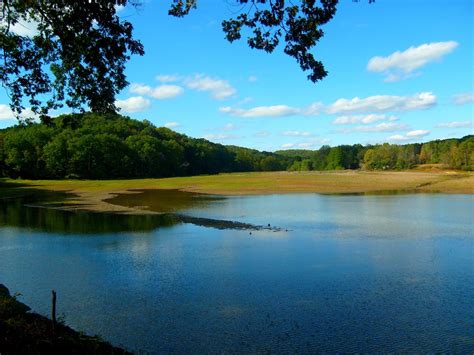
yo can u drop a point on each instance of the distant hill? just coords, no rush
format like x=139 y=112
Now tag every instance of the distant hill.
x=111 y=146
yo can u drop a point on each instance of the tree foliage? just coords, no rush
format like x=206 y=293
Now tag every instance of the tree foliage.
x=78 y=55
x=270 y=22
x=101 y=146
x=107 y=146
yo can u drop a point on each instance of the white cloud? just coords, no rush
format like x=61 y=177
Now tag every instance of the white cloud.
x=393 y=78
x=119 y=8
x=364 y=119
x=398 y=138
x=383 y=103
x=372 y=107
x=418 y=133
x=262 y=134
x=312 y=144
x=306 y=145
x=401 y=65
x=410 y=136
x=252 y=78
x=297 y=134
x=313 y=109
x=22 y=28
x=229 y=127
x=245 y=100
x=167 y=78
x=381 y=127
x=272 y=111
x=166 y=91
x=261 y=111
x=172 y=124
x=133 y=104
x=140 y=89
x=455 y=124
x=6 y=113
x=160 y=92
x=219 y=89
x=28 y=113
x=465 y=98
x=220 y=137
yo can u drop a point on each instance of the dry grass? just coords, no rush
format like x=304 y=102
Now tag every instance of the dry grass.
x=92 y=193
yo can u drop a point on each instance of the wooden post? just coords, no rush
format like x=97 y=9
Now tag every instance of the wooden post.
x=53 y=310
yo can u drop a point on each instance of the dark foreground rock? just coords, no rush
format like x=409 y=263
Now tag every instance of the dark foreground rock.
x=23 y=332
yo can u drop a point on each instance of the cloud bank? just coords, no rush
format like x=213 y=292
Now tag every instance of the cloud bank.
x=464 y=98
x=172 y=124
x=383 y=103
x=455 y=124
x=409 y=136
x=381 y=127
x=362 y=119
x=219 y=89
x=401 y=65
x=160 y=92
x=261 y=111
x=133 y=104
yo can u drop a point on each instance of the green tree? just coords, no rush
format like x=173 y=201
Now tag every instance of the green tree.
x=104 y=146
x=56 y=156
x=270 y=22
x=79 y=54
x=406 y=157
x=370 y=162
x=149 y=155
x=174 y=158
x=244 y=159
x=270 y=163
x=296 y=166
x=320 y=158
x=306 y=165
x=100 y=156
x=466 y=154
x=24 y=150
x=381 y=157
x=335 y=159
x=3 y=166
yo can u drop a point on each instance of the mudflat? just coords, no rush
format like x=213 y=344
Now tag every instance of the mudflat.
x=92 y=195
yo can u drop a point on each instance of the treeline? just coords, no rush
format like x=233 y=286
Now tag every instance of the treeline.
x=452 y=153
x=93 y=146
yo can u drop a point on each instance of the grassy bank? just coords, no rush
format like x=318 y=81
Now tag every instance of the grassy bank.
x=90 y=194
x=24 y=332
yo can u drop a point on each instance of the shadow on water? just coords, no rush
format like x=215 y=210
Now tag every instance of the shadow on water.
x=177 y=203
x=38 y=210
x=41 y=210
x=164 y=201
x=376 y=193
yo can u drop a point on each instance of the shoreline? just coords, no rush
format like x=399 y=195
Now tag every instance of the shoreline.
x=93 y=195
x=24 y=331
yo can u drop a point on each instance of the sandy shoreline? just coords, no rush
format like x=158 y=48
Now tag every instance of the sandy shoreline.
x=90 y=195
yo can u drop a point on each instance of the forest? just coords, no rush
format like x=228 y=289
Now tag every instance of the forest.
x=111 y=146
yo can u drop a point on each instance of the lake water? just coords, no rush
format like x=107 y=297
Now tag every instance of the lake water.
x=386 y=273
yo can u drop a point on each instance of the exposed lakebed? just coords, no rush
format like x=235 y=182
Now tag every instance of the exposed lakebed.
x=341 y=273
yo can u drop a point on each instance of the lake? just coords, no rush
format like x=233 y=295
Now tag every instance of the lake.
x=300 y=273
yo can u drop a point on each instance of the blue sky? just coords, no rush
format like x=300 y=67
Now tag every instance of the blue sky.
x=399 y=71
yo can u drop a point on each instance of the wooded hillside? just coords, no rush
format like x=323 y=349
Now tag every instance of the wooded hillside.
x=107 y=146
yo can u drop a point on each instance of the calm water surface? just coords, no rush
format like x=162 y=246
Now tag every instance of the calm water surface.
x=350 y=274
